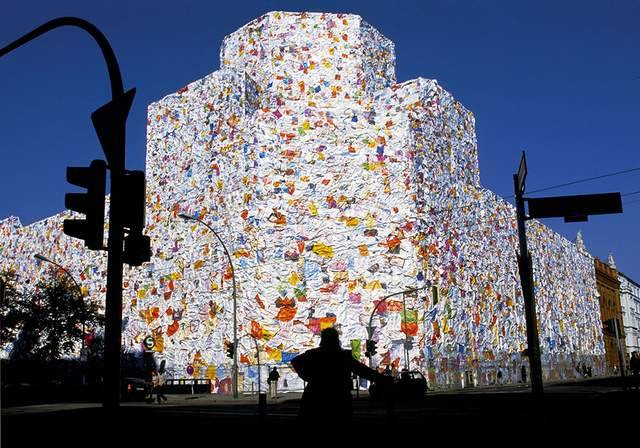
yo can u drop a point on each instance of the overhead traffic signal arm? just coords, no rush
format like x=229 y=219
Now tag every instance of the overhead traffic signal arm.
x=91 y=204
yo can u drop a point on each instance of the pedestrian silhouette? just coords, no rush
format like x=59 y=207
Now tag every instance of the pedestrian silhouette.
x=159 y=380
x=523 y=373
x=634 y=366
x=274 y=376
x=327 y=371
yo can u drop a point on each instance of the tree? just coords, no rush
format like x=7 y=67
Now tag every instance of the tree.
x=46 y=323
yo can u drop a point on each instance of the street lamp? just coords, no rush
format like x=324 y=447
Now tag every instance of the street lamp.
x=235 y=302
x=255 y=342
x=371 y=328
x=80 y=295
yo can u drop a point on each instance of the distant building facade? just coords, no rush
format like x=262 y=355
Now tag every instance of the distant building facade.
x=630 y=302
x=609 y=289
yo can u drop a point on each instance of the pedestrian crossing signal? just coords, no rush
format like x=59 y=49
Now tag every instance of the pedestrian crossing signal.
x=230 y=349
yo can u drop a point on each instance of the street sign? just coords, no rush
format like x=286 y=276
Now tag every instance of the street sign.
x=522 y=173
x=110 y=123
x=370 y=331
x=149 y=342
x=575 y=208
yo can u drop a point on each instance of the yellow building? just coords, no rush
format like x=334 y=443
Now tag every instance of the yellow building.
x=609 y=289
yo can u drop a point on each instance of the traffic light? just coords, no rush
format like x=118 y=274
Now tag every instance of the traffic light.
x=230 y=349
x=137 y=247
x=371 y=348
x=132 y=201
x=91 y=204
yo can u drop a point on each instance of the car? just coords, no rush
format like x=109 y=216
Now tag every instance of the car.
x=135 y=389
x=410 y=385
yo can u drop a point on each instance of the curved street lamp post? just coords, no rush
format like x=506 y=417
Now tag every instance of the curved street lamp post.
x=235 y=302
x=371 y=328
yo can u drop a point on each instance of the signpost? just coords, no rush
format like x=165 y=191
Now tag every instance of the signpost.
x=526 y=280
x=572 y=209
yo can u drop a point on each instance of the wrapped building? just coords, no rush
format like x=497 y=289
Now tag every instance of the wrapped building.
x=333 y=186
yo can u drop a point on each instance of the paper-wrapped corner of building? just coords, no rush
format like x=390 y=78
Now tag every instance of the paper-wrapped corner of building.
x=332 y=186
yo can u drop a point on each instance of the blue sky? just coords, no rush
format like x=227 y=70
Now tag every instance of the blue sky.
x=559 y=79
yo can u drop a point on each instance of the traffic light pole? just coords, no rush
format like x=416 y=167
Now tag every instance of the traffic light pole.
x=406 y=337
x=113 y=310
x=112 y=137
x=526 y=278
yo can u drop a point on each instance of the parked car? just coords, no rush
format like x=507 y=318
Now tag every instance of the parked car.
x=135 y=389
x=410 y=385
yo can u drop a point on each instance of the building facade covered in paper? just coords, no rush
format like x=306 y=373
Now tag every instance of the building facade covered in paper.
x=333 y=186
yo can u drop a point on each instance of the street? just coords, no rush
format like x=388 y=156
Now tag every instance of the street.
x=573 y=408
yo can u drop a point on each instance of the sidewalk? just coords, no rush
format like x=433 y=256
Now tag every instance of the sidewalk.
x=173 y=400
x=583 y=386
x=199 y=399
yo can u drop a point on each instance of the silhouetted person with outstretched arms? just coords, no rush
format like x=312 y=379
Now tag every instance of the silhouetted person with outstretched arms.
x=327 y=371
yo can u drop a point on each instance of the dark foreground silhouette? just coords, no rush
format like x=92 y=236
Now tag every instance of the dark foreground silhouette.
x=328 y=370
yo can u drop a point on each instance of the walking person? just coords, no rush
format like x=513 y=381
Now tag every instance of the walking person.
x=327 y=372
x=274 y=376
x=634 y=366
x=159 y=380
